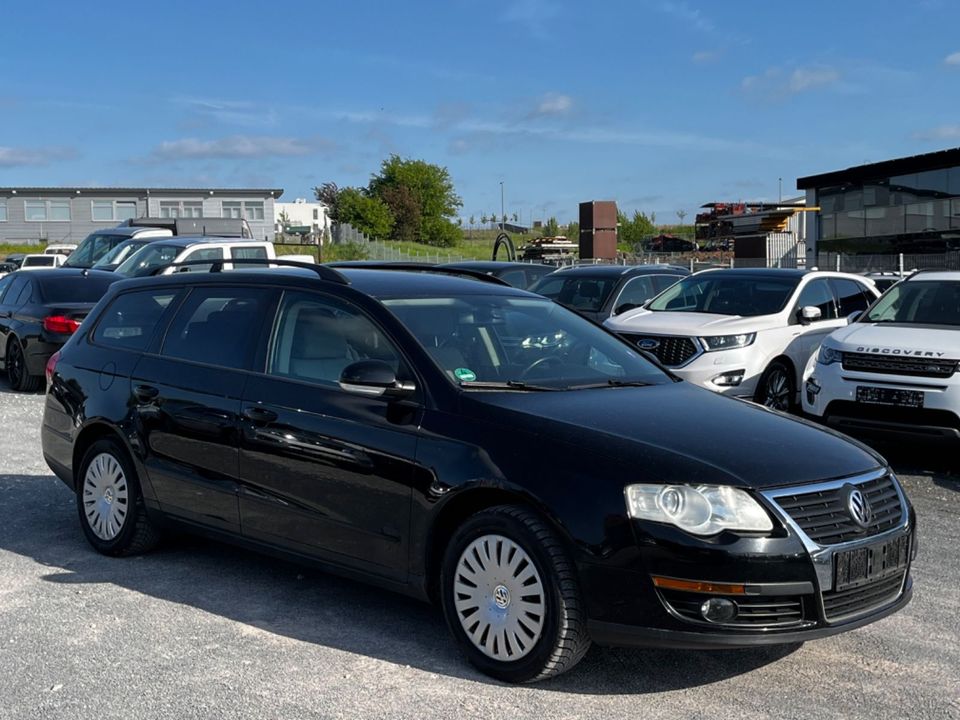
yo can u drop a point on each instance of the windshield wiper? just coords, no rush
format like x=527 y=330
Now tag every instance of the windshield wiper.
x=507 y=385
x=612 y=382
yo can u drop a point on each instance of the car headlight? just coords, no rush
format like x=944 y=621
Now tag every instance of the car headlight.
x=828 y=356
x=727 y=342
x=700 y=510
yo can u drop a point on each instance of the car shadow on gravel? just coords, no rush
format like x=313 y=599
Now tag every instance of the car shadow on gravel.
x=308 y=605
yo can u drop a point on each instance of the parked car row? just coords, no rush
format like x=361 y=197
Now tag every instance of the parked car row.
x=381 y=424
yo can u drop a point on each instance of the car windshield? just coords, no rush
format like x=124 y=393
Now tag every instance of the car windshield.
x=720 y=294
x=92 y=249
x=120 y=253
x=520 y=342
x=577 y=292
x=147 y=259
x=74 y=288
x=918 y=302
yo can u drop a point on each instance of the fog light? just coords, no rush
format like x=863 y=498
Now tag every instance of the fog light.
x=729 y=379
x=718 y=610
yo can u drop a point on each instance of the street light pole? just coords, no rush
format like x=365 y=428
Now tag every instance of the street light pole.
x=502 y=212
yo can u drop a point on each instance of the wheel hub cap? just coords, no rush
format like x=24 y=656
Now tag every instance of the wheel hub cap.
x=105 y=496
x=499 y=598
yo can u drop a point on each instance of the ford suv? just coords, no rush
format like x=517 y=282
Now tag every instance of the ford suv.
x=378 y=423
x=747 y=333
x=895 y=368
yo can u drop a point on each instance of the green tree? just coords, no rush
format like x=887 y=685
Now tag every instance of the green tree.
x=369 y=215
x=472 y=221
x=483 y=219
x=573 y=231
x=433 y=193
x=551 y=227
x=515 y=217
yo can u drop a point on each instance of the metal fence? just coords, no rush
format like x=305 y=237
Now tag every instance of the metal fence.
x=904 y=262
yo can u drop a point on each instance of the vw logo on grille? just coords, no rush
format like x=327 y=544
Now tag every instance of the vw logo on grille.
x=648 y=344
x=858 y=507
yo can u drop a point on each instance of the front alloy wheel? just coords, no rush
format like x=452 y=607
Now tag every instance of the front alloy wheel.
x=776 y=388
x=20 y=379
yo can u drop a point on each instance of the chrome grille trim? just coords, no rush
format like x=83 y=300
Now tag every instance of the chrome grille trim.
x=635 y=338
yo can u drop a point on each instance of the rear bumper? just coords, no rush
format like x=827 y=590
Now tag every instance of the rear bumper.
x=618 y=635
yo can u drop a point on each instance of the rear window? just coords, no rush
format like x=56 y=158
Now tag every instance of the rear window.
x=74 y=289
x=132 y=318
x=39 y=261
x=249 y=253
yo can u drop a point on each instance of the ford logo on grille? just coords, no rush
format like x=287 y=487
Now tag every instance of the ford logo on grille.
x=648 y=344
x=858 y=507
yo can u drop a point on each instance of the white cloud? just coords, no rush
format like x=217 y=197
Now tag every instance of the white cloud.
x=690 y=16
x=952 y=59
x=237 y=146
x=531 y=15
x=775 y=84
x=554 y=104
x=944 y=132
x=705 y=56
x=20 y=157
x=230 y=112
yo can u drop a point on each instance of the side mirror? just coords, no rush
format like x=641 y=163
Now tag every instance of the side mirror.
x=809 y=314
x=374 y=378
x=854 y=316
x=623 y=308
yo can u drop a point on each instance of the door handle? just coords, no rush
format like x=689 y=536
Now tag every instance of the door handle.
x=145 y=393
x=259 y=414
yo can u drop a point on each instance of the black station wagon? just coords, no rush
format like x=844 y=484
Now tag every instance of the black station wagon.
x=472 y=444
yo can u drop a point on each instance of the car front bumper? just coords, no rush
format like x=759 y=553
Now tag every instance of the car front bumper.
x=713 y=369
x=829 y=394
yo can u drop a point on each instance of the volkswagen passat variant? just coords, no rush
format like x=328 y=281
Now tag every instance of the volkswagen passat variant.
x=477 y=445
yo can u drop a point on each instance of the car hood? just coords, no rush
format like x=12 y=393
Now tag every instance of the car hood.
x=676 y=433
x=687 y=323
x=898 y=339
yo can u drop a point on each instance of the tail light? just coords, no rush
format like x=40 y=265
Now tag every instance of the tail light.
x=52 y=366
x=60 y=324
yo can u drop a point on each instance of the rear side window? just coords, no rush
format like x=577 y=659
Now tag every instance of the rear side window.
x=635 y=293
x=818 y=294
x=851 y=296
x=249 y=253
x=516 y=278
x=13 y=292
x=132 y=318
x=217 y=326
x=213 y=253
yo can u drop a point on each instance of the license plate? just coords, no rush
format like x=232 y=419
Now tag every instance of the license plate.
x=870 y=563
x=889 y=396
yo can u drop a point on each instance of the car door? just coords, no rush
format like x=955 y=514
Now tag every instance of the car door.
x=807 y=337
x=634 y=293
x=324 y=471
x=16 y=296
x=186 y=400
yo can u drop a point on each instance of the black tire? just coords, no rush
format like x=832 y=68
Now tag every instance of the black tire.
x=563 y=638
x=777 y=388
x=17 y=374
x=136 y=534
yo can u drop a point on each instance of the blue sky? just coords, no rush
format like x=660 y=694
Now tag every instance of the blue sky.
x=661 y=105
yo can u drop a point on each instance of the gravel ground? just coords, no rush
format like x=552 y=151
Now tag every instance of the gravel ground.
x=200 y=630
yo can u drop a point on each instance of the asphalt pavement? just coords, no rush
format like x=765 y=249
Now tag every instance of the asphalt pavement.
x=203 y=630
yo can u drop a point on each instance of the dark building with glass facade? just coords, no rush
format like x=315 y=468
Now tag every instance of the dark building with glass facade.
x=907 y=205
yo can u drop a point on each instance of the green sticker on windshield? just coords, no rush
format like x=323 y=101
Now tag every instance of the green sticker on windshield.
x=465 y=374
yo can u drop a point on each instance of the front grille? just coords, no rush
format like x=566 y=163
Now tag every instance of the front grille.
x=841 y=604
x=671 y=351
x=824 y=518
x=899 y=365
x=752 y=612
x=912 y=417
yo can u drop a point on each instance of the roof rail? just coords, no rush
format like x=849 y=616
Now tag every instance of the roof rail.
x=428 y=267
x=324 y=272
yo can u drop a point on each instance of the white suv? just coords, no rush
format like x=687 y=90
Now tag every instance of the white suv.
x=895 y=368
x=155 y=255
x=747 y=333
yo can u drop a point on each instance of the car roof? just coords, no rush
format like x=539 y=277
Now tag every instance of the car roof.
x=189 y=240
x=376 y=283
x=485 y=265
x=936 y=275
x=61 y=272
x=618 y=270
x=762 y=272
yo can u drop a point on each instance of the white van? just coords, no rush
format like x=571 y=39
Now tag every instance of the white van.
x=42 y=261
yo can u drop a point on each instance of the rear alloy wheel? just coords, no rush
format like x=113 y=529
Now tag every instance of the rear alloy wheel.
x=776 y=388
x=110 y=504
x=511 y=598
x=20 y=379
